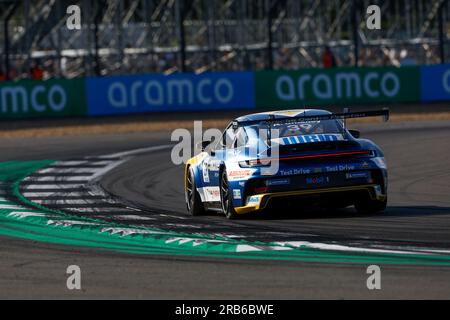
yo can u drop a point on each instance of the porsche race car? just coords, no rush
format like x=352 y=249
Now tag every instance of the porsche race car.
x=289 y=156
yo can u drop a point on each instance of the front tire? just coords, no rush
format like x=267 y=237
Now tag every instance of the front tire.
x=193 y=202
x=370 y=206
x=225 y=196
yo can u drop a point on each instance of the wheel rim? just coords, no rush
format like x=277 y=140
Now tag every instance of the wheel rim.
x=189 y=192
x=225 y=193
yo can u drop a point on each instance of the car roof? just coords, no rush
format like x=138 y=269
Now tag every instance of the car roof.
x=261 y=116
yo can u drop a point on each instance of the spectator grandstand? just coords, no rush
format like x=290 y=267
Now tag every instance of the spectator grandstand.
x=143 y=36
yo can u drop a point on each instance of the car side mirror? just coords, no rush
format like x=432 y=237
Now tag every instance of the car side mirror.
x=202 y=145
x=355 y=133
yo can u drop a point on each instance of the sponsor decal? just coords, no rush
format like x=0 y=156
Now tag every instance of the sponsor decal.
x=311 y=138
x=205 y=172
x=239 y=174
x=236 y=193
x=214 y=165
x=266 y=173
x=317 y=180
x=357 y=175
x=326 y=168
x=340 y=167
x=210 y=194
x=278 y=182
x=365 y=165
x=253 y=199
x=295 y=171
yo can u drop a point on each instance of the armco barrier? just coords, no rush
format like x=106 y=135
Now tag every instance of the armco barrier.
x=435 y=82
x=319 y=87
x=51 y=98
x=164 y=93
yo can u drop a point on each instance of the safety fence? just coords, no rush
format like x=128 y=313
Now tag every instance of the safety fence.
x=97 y=96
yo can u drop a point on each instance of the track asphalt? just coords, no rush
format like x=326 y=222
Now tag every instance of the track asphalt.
x=418 y=215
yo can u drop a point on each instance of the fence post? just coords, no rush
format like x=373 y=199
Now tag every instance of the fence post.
x=441 y=31
x=179 y=17
x=355 y=32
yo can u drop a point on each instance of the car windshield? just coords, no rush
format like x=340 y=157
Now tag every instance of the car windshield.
x=297 y=128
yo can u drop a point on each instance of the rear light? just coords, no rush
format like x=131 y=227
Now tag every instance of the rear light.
x=258 y=190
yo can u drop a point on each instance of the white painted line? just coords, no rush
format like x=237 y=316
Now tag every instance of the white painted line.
x=179 y=225
x=58 y=179
x=102 y=210
x=23 y=214
x=195 y=241
x=68 y=223
x=67 y=170
x=52 y=186
x=11 y=206
x=130 y=231
x=38 y=194
x=69 y=163
x=99 y=173
x=86 y=162
x=67 y=201
x=100 y=163
x=247 y=248
x=337 y=247
x=171 y=216
x=138 y=151
x=134 y=217
x=437 y=251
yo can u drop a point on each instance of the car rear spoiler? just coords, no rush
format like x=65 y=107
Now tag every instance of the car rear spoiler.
x=344 y=115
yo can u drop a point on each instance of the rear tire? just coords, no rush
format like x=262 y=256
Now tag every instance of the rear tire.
x=226 y=199
x=193 y=202
x=370 y=206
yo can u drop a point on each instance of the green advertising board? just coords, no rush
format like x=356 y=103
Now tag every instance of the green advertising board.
x=320 y=87
x=50 y=98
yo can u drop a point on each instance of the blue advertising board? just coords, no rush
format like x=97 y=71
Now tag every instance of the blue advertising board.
x=165 y=93
x=435 y=82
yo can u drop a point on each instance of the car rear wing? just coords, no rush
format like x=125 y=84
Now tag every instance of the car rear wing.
x=333 y=116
